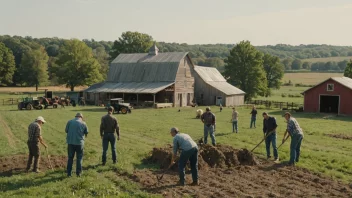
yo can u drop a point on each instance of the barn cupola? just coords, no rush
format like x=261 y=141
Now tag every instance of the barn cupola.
x=154 y=50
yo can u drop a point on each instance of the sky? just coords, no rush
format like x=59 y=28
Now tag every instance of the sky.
x=263 y=22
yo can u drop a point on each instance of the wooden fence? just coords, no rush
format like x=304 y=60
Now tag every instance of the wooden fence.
x=276 y=104
x=10 y=101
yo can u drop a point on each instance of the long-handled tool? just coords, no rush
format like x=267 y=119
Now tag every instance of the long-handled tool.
x=47 y=154
x=262 y=140
x=283 y=141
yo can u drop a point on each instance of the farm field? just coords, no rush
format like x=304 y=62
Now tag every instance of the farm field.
x=309 y=78
x=324 y=153
x=333 y=59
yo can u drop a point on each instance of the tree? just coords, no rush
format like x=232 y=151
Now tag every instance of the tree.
x=348 y=70
x=244 y=68
x=274 y=70
x=76 y=65
x=296 y=64
x=34 y=67
x=306 y=65
x=52 y=50
x=287 y=63
x=103 y=59
x=131 y=42
x=7 y=65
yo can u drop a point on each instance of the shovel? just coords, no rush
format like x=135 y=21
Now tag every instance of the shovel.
x=162 y=175
x=47 y=154
x=262 y=140
x=283 y=142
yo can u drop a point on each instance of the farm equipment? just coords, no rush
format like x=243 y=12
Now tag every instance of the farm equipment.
x=76 y=98
x=30 y=103
x=119 y=106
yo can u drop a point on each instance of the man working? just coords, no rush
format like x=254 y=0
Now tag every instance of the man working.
x=189 y=151
x=208 y=118
x=296 y=133
x=108 y=127
x=269 y=129
x=34 y=137
x=234 y=120
x=253 y=117
x=76 y=130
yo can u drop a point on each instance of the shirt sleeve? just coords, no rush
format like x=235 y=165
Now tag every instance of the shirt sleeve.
x=175 y=147
x=264 y=127
x=274 y=123
x=38 y=132
x=102 y=127
x=214 y=119
x=67 y=126
x=117 y=127
x=290 y=126
x=85 y=129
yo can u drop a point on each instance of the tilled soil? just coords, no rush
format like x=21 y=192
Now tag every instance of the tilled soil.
x=244 y=176
x=16 y=164
x=340 y=136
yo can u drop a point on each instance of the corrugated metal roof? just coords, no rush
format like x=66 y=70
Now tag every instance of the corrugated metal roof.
x=132 y=87
x=145 y=68
x=345 y=81
x=214 y=78
x=226 y=88
x=209 y=74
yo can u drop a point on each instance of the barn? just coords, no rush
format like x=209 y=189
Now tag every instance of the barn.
x=147 y=78
x=330 y=96
x=211 y=88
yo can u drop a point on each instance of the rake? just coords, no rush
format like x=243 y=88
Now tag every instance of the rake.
x=262 y=140
x=47 y=154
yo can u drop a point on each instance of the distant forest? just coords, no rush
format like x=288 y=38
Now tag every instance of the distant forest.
x=293 y=57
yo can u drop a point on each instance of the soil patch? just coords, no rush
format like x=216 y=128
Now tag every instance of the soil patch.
x=237 y=173
x=17 y=164
x=340 y=136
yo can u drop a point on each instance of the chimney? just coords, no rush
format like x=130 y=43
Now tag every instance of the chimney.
x=153 y=50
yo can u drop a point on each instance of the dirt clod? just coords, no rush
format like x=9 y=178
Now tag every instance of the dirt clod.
x=246 y=157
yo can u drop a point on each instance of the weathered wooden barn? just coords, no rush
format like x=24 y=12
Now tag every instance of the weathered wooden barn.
x=330 y=96
x=147 y=78
x=211 y=88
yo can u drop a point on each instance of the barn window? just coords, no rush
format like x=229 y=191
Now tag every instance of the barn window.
x=330 y=87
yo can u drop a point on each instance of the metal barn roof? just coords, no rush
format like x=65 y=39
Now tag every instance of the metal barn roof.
x=345 y=81
x=213 y=77
x=131 y=87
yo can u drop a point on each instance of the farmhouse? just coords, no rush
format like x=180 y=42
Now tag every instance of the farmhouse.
x=211 y=88
x=330 y=96
x=152 y=78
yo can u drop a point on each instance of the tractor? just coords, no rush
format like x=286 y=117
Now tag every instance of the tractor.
x=119 y=106
x=30 y=103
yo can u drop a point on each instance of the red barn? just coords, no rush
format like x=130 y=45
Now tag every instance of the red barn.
x=333 y=95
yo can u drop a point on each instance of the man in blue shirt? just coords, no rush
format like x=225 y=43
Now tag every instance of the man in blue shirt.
x=269 y=129
x=296 y=133
x=189 y=151
x=76 y=130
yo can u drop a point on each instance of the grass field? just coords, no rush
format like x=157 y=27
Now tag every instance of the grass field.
x=333 y=59
x=147 y=128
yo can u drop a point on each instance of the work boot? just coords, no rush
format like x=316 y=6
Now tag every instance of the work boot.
x=103 y=163
x=37 y=171
x=195 y=183
x=180 y=184
x=268 y=157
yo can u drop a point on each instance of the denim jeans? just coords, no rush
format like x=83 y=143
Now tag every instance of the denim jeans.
x=209 y=129
x=253 y=119
x=72 y=149
x=109 y=137
x=234 y=126
x=192 y=156
x=271 y=139
x=34 y=152
x=295 y=148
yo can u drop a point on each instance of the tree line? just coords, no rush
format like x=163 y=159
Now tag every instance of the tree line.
x=27 y=61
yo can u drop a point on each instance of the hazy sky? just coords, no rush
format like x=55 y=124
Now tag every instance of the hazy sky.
x=262 y=22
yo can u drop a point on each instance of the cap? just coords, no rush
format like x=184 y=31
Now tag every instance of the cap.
x=40 y=118
x=110 y=108
x=207 y=109
x=175 y=129
x=79 y=115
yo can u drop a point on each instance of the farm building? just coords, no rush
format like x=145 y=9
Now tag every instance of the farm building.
x=330 y=96
x=169 y=78
x=211 y=88
x=147 y=78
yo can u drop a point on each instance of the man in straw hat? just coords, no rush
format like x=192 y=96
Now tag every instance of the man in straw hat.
x=76 y=130
x=34 y=137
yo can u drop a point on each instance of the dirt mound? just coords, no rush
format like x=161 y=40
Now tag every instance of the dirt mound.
x=246 y=157
x=213 y=156
x=340 y=136
x=16 y=164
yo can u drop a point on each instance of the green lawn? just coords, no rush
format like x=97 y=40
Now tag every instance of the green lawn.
x=147 y=128
x=327 y=59
x=286 y=90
